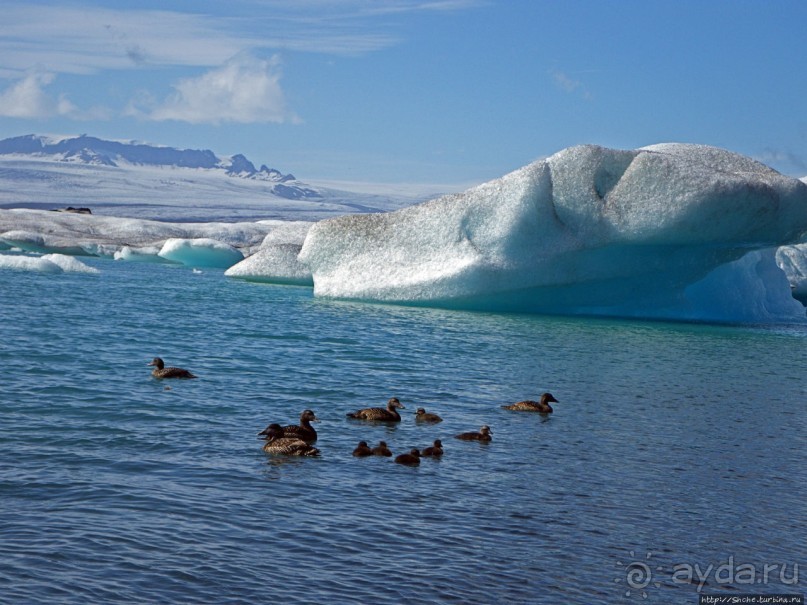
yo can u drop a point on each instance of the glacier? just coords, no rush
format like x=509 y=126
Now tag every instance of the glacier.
x=657 y=232
x=138 y=180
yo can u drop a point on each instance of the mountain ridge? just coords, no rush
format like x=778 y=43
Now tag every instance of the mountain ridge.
x=102 y=152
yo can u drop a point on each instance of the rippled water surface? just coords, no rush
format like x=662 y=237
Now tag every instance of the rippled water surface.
x=672 y=446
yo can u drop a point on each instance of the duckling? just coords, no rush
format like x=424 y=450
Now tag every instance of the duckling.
x=435 y=450
x=276 y=443
x=303 y=431
x=410 y=459
x=381 y=449
x=422 y=415
x=390 y=414
x=362 y=450
x=542 y=406
x=160 y=371
x=483 y=435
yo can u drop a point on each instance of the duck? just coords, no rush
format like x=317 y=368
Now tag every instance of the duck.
x=388 y=414
x=160 y=371
x=410 y=459
x=276 y=443
x=362 y=450
x=434 y=451
x=484 y=435
x=303 y=431
x=421 y=415
x=381 y=449
x=541 y=406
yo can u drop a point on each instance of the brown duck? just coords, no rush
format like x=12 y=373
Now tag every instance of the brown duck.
x=303 y=431
x=362 y=450
x=482 y=435
x=277 y=444
x=541 y=406
x=421 y=415
x=388 y=414
x=434 y=451
x=381 y=449
x=410 y=459
x=160 y=371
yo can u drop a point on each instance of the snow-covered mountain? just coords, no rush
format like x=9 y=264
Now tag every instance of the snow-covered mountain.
x=91 y=150
x=148 y=181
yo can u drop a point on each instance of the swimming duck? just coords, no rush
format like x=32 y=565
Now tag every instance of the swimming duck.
x=276 y=443
x=410 y=459
x=390 y=414
x=160 y=371
x=422 y=415
x=541 y=406
x=482 y=435
x=381 y=449
x=435 y=450
x=303 y=431
x=362 y=450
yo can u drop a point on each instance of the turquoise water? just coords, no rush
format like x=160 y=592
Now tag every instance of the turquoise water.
x=674 y=445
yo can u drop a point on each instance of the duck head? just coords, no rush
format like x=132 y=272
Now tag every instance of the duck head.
x=309 y=415
x=157 y=362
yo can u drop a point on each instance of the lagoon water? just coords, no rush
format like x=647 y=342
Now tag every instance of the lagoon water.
x=673 y=446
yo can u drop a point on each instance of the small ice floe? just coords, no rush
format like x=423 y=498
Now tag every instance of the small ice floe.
x=201 y=252
x=49 y=263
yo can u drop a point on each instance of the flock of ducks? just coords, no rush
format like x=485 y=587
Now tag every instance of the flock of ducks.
x=298 y=439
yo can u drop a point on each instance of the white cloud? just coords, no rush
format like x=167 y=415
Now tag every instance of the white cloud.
x=28 y=99
x=245 y=90
x=782 y=157
x=568 y=84
x=82 y=37
x=85 y=38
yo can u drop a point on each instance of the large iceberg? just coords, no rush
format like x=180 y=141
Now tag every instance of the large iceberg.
x=655 y=232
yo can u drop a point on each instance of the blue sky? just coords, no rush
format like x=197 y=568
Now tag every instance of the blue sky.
x=450 y=92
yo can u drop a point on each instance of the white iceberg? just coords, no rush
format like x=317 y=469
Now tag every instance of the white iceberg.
x=277 y=259
x=587 y=231
x=277 y=263
x=751 y=289
x=69 y=264
x=793 y=261
x=49 y=263
x=94 y=235
x=148 y=254
x=23 y=240
x=200 y=252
